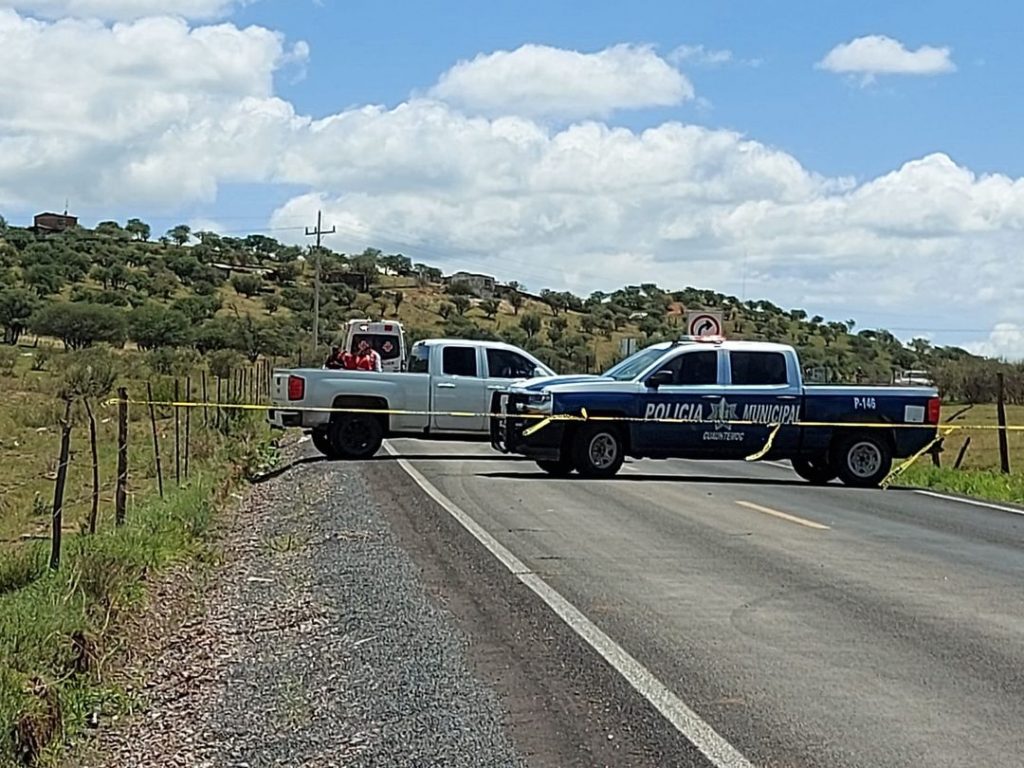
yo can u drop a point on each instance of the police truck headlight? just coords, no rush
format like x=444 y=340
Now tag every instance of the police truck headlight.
x=539 y=403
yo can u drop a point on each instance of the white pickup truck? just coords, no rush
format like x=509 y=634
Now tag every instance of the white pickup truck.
x=443 y=376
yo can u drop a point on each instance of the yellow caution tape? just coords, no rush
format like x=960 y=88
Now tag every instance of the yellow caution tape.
x=904 y=466
x=767 y=446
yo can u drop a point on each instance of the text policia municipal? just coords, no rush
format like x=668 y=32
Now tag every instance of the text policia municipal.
x=756 y=413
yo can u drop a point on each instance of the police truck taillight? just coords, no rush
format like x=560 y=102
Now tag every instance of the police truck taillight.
x=296 y=387
x=934 y=409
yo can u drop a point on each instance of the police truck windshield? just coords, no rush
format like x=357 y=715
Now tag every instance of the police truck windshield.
x=635 y=364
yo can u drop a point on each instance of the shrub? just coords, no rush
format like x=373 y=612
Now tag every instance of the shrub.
x=223 y=362
x=152 y=325
x=80 y=325
x=8 y=359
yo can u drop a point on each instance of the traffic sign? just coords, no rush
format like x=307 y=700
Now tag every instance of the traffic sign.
x=704 y=323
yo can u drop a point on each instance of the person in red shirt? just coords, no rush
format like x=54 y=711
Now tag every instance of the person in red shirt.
x=366 y=357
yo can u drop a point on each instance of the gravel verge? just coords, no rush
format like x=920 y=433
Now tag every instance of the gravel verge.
x=318 y=646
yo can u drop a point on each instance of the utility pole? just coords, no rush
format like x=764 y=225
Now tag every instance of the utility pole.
x=319 y=232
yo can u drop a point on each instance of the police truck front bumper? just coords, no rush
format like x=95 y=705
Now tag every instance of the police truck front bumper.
x=514 y=414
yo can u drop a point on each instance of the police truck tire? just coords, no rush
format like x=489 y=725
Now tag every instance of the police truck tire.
x=598 y=450
x=862 y=460
x=558 y=468
x=322 y=442
x=817 y=471
x=356 y=435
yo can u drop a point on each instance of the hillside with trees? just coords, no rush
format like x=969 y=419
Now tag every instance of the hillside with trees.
x=186 y=292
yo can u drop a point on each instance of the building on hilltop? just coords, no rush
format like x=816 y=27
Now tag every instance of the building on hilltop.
x=481 y=285
x=45 y=223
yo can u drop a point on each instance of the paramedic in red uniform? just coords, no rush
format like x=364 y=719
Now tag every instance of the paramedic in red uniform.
x=367 y=358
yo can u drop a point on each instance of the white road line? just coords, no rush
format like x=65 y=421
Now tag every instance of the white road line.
x=715 y=748
x=783 y=515
x=972 y=502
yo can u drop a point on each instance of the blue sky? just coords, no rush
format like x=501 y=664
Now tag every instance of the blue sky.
x=378 y=52
x=857 y=159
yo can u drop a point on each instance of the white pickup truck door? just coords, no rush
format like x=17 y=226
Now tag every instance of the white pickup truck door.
x=459 y=387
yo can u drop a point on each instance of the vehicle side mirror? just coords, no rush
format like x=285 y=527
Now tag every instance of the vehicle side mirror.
x=660 y=379
x=537 y=373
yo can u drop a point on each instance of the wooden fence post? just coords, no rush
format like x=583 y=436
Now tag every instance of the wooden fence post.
x=205 y=400
x=177 y=437
x=216 y=413
x=188 y=422
x=95 y=508
x=57 y=521
x=121 y=493
x=156 y=440
x=962 y=453
x=1004 y=450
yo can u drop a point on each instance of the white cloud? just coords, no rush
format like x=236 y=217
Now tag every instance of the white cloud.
x=880 y=55
x=541 y=81
x=154 y=116
x=123 y=10
x=1006 y=341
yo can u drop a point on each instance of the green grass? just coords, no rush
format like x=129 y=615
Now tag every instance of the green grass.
x=59 y=630
x=981 y=483
x=60 y=633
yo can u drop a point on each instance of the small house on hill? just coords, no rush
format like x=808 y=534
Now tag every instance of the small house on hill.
x=45 y=223
x=481 y=285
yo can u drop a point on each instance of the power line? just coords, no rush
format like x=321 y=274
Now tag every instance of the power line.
x=319 y=232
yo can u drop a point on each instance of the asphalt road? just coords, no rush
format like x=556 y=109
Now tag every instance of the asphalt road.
x=809 y=626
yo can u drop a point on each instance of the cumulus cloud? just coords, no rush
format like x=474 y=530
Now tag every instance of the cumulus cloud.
x=880 y=55
x=541 y=81
x=1006 y=342
x=122 y=10
x=123 y=105
x=154 y=116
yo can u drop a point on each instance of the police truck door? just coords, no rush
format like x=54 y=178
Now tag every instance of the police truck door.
x=688 y=396
x=766 y=390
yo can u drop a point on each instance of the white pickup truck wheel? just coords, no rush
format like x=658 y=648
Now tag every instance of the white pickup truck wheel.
x=356 y=435
x=322 y=442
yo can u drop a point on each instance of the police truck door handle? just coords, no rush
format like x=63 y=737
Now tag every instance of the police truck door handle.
x=787 y=397
x=710 y=397
x=495 y=387
x=445 y=385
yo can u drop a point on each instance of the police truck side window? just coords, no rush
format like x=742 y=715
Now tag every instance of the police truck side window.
x=757 y=368
x=459 y=361
x=504 y=364
x=698 y=368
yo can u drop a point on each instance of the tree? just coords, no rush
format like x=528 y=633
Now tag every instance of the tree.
x=445 y=309
x=46 y=279
x=460 y=288
x=530 y=323
x=180 y=234
x=152 y=326
x=272 y=302
x=490 y=308
x=398 y=298
x=16 y=307
x=218 y=333
x=557 y=328
x=256 y=336
x=138 y=229
x=80 y=325
x=554 y=299
x=164 y=284
x=516 y=299
x=462 y=303
x=286 y=272
x=248 y=285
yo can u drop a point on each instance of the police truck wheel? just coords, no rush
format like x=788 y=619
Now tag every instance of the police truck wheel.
x=598 y=450
x=817 y=471
x=862 y=460
x=559 y=468
x=322 y=442
x=356 y=435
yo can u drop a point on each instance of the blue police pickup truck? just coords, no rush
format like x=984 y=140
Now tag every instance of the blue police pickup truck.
x=704 y=391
